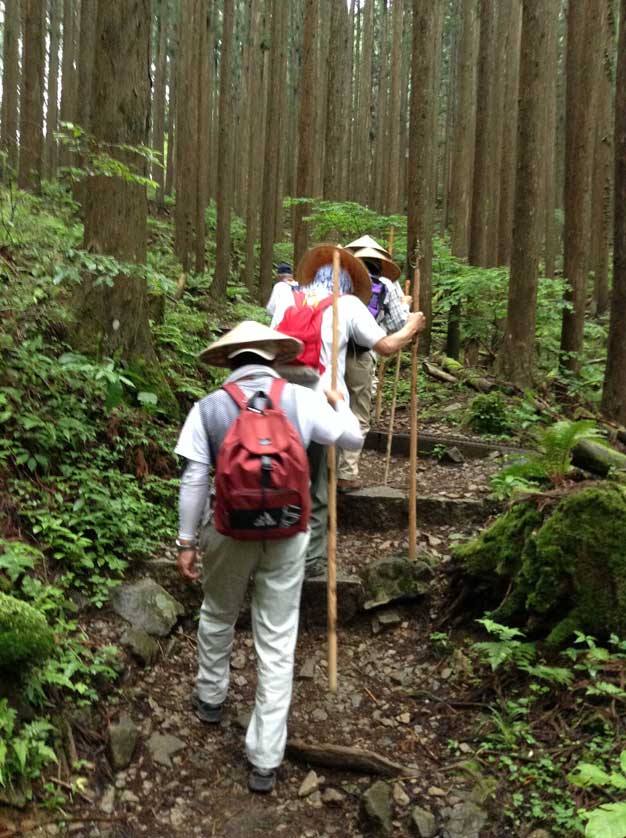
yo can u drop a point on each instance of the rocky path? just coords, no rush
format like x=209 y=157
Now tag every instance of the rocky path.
x=158 y=771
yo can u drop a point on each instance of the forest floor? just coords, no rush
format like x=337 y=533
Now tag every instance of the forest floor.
x=400 y=694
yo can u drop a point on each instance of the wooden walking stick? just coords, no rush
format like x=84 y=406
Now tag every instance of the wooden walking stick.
x=413 y=438
x=394 y=399
x=331 y=591
x=382 y=363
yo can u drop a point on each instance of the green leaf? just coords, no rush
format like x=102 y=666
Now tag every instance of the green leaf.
x=588 y=774
x=622 y=761
x=607 y=821
x=147 y=398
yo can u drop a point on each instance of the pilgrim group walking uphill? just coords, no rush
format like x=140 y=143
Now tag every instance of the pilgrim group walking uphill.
x=253 y=496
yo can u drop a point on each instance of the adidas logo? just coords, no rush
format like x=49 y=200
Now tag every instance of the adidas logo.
x=265 y=520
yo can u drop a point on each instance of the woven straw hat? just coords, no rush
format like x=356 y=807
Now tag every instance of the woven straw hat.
x=316 y=257
x=251 y=336
x=388 y=267
x=367 y=241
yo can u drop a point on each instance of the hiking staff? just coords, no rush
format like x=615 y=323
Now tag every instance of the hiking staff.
x=381 y=365
x=394 y=398
x=413 y=437
x=331 y=590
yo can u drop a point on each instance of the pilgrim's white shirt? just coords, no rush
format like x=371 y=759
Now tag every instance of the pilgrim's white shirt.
x=280 y=300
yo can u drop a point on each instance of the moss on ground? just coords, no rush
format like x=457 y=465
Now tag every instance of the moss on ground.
x=25 y=636
x=563 y=564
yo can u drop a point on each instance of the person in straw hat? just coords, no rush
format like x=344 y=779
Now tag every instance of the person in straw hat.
x=315 y=278
x=250 y=351
x=390 y=308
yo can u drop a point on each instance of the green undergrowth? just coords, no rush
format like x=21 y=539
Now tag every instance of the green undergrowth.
x=88 y=480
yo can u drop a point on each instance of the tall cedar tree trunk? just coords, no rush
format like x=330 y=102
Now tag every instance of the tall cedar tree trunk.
x=453 y=52
x=364 y=115
x=395 y=170
x=506 y=198
x=224 y=155
x=31 y=100
x=614 y=393
x=187 y=133
x=171 y=114
x=422 y=158
x=502 y=30
x=114 y=319
x=356 y=91
x=462 y=164
x=10 y=80
x=403 y=183
x=256 y=142
x=349 y=104
x=281 y=150
x=84 y=80
x=335 y=117
x=550 y=182
x=322 y=47
x=68 y=74
x=484 y=174
x=306 y=129
x=518 y=351
x=52 y=112
x=582 y=56
x=376 y=196
x=246 y=107
x=272 y=140
x=160 y=81
x=202 y=171
x=603 y=168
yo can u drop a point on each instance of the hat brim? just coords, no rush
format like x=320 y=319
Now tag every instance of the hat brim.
x=316 y=257
x=388 y=268
x=247 y=337
x=367 y=241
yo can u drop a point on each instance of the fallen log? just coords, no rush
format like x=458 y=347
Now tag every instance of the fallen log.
x=345 y=758
x=597 y=458
x=438 y=374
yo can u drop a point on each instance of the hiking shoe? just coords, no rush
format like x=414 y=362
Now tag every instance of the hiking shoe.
x=209 y=713
x=345 y=486
x=315 y=570
x=262 y=780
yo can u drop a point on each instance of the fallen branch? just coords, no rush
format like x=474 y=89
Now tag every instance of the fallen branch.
x=343 y=757
x=438 y=374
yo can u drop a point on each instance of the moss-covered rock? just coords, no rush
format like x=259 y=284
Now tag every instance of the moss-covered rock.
x=25 y=636
x=563 y=564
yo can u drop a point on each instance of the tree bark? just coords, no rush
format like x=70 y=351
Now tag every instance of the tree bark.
x=335 y=117
x=171 y=115
x=551 y=146
x=518 y=351
x=86 y=48
x=422 y=159
x=306 y=130
x=52 y=113
x=451 y=80
x=583 y=26
x=613 y=395
x=114 y=319
x=484 y=174
x=377 y=194
x=202 y=139
x=68 y=74
x=603 y=168
x=160 y=83
x=364 y=116
x=395 y=169
x=224 y=155
x=10 y=81
x=272 y=156
x=31 y=99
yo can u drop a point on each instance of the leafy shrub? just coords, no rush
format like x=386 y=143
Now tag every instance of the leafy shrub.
x=25 y=636
x=488 y=414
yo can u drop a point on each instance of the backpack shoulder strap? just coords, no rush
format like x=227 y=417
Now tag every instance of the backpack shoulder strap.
x=276 y=392
x=236 y=395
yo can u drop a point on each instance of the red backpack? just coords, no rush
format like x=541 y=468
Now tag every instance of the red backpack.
x=262 y=472
x=304 y=322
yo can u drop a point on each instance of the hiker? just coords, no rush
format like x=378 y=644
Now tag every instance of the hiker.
x=252 y=433
x=282 y=293
x=315 y=281
x=390 y=308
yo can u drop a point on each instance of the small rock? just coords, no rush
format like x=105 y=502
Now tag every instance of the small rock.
x=142 y=646
x=435 y=791
x=446 y=673
x=465 y=820
x=107 y=802
x=315 y=799
x=243 y=719
x=163 y=746
x=319 y=715
x=400 y=796
x=540 y=833
x=393 y=579
x=307 y=670
x=405 y=718
x=240 y=680
x=452 y=456
x=129 y=797
x=385 y=619
x=122 y=741
x=332 y=797
x=145 y=604
x=464 y=748
x=423 y=822
x=310 y=784
x=238 y=662
x=375 y=809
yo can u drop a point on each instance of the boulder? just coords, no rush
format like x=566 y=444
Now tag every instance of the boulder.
x=146 y=605
x=375 y=809
x=310 y=784
x=394 y=579
x=423 y=822
x=464 y=820
x=142 y=646
x=163 y=746
x=123 y=738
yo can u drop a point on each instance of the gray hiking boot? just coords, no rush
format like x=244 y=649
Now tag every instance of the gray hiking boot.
x=209 y=713
x=261 y=780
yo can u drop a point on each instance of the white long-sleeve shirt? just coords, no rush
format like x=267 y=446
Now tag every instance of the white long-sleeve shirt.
x=308 y=411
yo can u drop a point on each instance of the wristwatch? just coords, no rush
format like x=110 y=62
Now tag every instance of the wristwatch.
x=185 y=545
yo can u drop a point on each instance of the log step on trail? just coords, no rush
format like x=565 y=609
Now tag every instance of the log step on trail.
x=346 y=758
x=427 y=443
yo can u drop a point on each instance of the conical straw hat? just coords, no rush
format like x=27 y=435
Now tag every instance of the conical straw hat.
x=248 y=336
x=367 y=241
x=316 y=257
x=388 y=267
